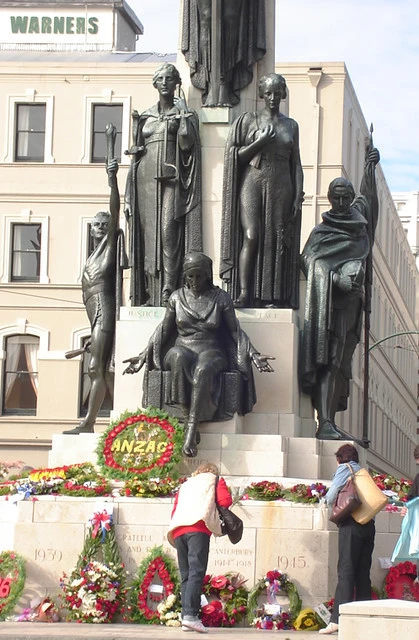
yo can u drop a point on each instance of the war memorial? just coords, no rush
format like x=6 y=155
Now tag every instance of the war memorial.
x=229 y=306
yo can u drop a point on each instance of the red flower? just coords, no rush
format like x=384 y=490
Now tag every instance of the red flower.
x=219 y=582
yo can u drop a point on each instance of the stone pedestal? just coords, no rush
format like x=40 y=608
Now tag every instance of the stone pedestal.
x=280 y=408
x=295 y=538
x=238 y=455
x=379 y=620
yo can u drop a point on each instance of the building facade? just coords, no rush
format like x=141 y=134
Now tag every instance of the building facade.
x=58 y=92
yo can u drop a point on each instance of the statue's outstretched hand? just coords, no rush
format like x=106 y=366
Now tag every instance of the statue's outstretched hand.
x=261 y=362
x=135 y=363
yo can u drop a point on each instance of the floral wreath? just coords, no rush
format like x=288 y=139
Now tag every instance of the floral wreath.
x=160 y=564
x=274 y=582
x=95 y=591
x=12 y=581
x=229 y=600
x=301 y=493
x=152 y=487
x=73 y=480
x=145 y=443
x=396 y=587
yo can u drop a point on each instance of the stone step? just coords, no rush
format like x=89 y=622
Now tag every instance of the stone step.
x=73 y=631
x=236 y=454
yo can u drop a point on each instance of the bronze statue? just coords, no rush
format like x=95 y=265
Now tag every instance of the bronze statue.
x=101 y=287
x=163 y=194
x=199 y=339
x=221 y=60
x=336 y=262
x=263 y=193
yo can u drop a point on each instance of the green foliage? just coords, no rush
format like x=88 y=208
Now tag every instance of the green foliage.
x=12 y=581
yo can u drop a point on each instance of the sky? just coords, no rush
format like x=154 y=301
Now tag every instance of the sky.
x=377 y=39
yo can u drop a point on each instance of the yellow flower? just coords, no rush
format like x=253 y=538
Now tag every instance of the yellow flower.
x=306 y=620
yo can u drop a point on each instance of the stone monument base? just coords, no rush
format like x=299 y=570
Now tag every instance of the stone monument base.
x=379 y=620
x=297 y=539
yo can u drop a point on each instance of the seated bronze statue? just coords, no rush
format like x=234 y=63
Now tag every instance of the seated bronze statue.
x=198 y=341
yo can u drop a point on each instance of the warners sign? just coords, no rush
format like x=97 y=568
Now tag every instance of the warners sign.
x=56 y=25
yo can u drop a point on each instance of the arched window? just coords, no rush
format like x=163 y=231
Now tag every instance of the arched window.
x=20 y=387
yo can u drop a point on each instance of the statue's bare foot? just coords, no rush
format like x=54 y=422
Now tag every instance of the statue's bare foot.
x=189 y=448
x=327 y=431
x=241 y=301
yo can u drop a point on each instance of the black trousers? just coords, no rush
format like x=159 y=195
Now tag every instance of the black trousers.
x=356 y=544
x=192 y=553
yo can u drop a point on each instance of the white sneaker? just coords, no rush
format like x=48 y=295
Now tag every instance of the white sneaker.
x=332 y=627
x=194 y=625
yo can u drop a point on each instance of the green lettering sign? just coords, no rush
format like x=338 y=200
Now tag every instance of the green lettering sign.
x=19 y=24
x=80 y=25
x=46 y=25
x=33 y=25
x=94 y=25
x=58 y=25
x=69 y=25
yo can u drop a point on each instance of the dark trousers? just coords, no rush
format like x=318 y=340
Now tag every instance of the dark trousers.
x=192 y=554
x=356 y=544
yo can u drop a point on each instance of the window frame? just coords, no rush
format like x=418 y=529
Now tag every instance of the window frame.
x=28 y=131
x=94 y=133
x=19 y=411
x=14 y=253
x=107 y=98
x=29 y=97
x=25 y=217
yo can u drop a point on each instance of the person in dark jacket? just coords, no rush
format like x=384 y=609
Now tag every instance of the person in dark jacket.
x=355 y=546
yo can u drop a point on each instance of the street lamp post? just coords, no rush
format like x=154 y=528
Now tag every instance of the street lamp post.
x=368 y=350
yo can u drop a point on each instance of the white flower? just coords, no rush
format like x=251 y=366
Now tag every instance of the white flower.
x=173 y=623
x=170 y=601
x=77 y=582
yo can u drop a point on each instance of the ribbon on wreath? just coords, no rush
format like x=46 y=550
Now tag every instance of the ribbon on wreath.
x=101 y=520
x=272 y=591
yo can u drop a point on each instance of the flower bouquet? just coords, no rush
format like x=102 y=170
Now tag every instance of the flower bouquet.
x=170 y=611
x=306 y=620
x=395 y=489
x=152 y=487
x=227 y=597
x=92 y=594
x=306 y=493
x=264 y=490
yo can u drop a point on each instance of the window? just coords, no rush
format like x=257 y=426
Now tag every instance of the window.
x=102 y=115
x=85 y=386
x=30 y=132
x=26 y=252
x=20 y=388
